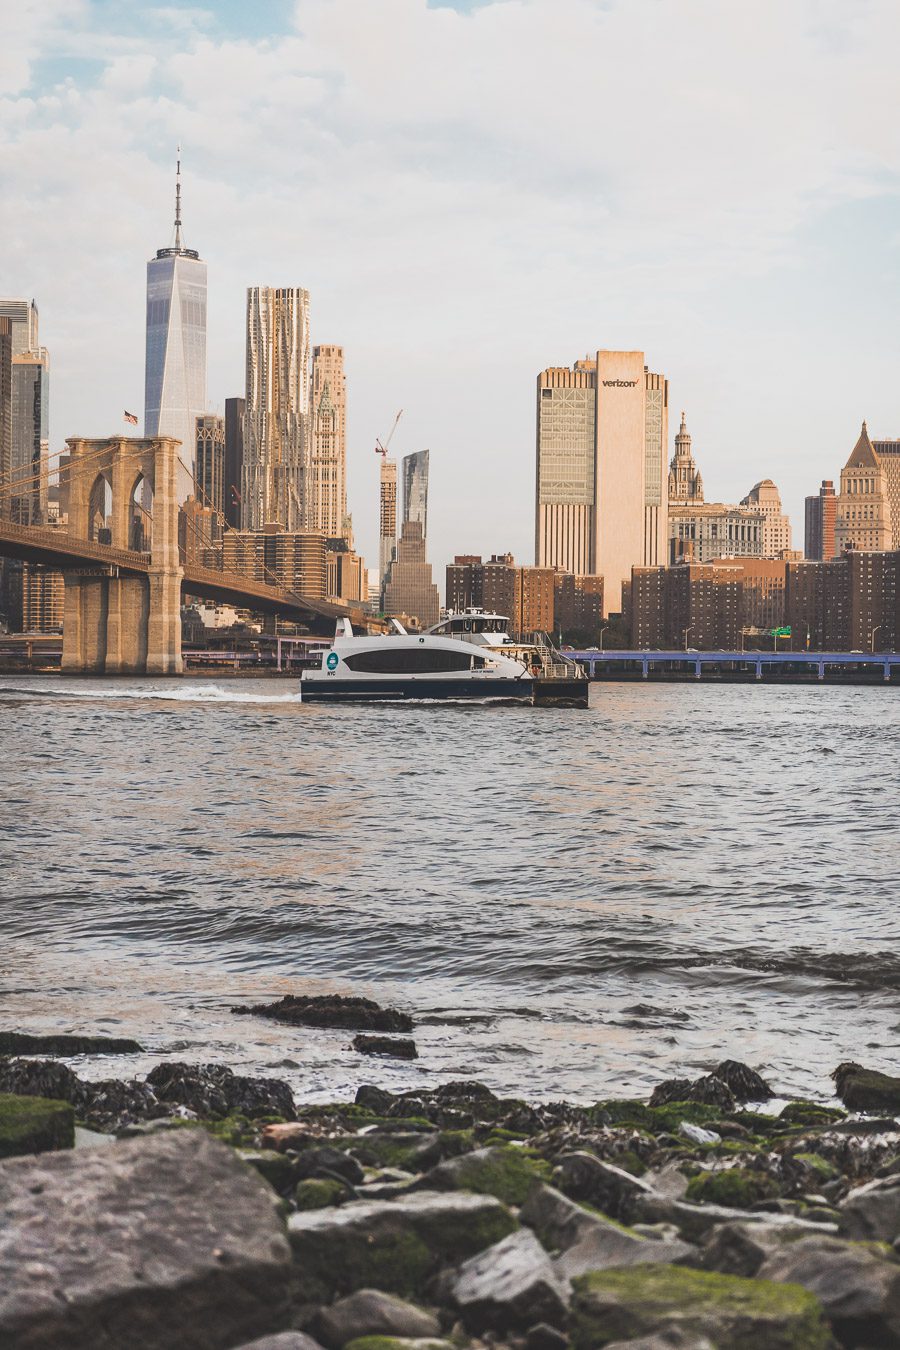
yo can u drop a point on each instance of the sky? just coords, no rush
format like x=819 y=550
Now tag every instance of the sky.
x=471 y=192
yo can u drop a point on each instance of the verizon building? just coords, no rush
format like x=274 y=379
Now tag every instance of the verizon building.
x=601 y=474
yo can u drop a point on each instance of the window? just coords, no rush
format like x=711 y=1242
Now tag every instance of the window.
x=412 y=661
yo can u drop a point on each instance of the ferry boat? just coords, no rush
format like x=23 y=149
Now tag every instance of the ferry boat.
x=466 y=656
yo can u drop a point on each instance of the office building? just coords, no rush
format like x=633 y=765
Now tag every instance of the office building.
x=600 y=467
x=209 y=458
x=43 y=599
x=276 y=414
x=867 y=512
x=685 y=485
x=23 y=325
x=5 y=407
x=234 y=461
x=409 y=590
x=295 y=560
x=175 y=362
x=765 y=497
x=387 y=518
x=327 y=481
x=415 y=489
x=821 y=510
x=707 y=530
x=345 y=575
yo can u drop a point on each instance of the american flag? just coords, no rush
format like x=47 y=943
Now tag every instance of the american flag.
x=130 y=417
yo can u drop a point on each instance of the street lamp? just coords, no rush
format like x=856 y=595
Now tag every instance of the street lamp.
x=603 y=630
x=743 y=635
x=686 y=631
x=876 y=629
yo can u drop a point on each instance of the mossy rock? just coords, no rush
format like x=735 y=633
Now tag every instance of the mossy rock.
x=276 y=1168
x=388 y=1150
x=810 y=1113
x=621 y=1304
x=319 y=1193
x=819 y=1166
x=34 y=1125
x=235 y=1130
x=503 y=1170
x=734 y=1187
x=630 y=1162
x=395 y=1343
x=654 y=1119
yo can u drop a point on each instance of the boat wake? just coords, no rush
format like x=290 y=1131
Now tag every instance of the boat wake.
x=189 y=693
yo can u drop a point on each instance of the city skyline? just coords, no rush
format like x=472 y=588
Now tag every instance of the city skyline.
x=762 y=290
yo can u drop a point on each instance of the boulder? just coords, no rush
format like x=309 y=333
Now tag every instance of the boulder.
x=510 y=1287
x=604 y=1248
x=544 y=1337
x=858 y=1287
x=502 y=1170
x=19 y=1043
x=332 y=1010
x=745 y=1083
x=866 y=1089
x=283 y=1340
x=213 y=1090
x=325 y=1162
x=371 y=1312
x=395 y=1245
x=139 y=1243
x=322 y=1193
x=740 y=1314
x=583 y=1176
x=398 y=1343
x=742 y=1248
x=872 y=1211
x=41 y=1078
x=34 y=1125
x=694 y=1221
x=397 y=1047
x=374 y=1098
x=558 y=1221
x=289 y=1134
x=669 y=1338
x=707 y=1091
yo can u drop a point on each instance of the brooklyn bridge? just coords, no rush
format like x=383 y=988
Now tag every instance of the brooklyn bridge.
x=130 y=551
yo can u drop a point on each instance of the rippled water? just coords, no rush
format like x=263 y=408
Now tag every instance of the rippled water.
x=571 y=903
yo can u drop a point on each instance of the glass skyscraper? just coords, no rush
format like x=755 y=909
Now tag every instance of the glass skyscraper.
x=175 y=368
x=415 y=489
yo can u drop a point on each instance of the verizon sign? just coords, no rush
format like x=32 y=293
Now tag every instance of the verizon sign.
x=620 y=384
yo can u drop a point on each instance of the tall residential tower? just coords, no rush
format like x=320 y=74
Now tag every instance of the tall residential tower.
x=328 y=459
x=175 y=367
x=276 y=415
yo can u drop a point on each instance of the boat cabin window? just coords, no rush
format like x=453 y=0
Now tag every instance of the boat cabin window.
x=411 y=661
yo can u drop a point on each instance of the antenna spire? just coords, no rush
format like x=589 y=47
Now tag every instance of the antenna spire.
x=178 y=240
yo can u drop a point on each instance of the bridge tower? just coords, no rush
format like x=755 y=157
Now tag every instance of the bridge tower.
x=123 y=492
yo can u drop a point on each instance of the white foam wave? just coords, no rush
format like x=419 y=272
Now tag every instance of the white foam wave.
x=188 y=693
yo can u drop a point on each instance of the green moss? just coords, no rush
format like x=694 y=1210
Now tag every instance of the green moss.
x=34 y=1125
x=384 y=1150
x=810 y=1113
x=630 y=1162
x=743 y=1314
x=500 y=1136
x=504 y=1171
x=393 y=1343
x=823 y=1169
x=455 y=1142
x=735 y=1186
x=655 y=1119
x=319 y=1193
x=235 y=1130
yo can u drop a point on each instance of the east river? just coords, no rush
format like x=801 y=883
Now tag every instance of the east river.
x=570 y=903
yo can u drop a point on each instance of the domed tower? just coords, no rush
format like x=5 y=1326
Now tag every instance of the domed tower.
x=685 y=483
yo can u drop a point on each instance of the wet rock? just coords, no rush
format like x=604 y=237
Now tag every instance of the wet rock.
x=413 y=1152
x=329 y=1162
x=374 y=1098
x=669 y=1338
x=697 y=1134
x=707 y=1091
x=607 y=1247
x=20 y=1043
x=559 y=1222
x=283 y=1340
x=742 y=1248
x=582 y=1176
x=112 y=1104
x=214 y=1090
x=332 y=1010
x=397 y=1047
x=503 y=1171
x=745 y=1083
x=510 y=1286
x=544 y=1337
x=872 y=1211
x=694 y=1221
x=858 y=1288
x=866 y=1089
x=738 y=1187
x=41 y=1078
x=143 y=1237
x=395 y=1245
x=729 y=1311
x=398 y=1343
x=34 y=1125
x=371 y=1312
x=273 y=1167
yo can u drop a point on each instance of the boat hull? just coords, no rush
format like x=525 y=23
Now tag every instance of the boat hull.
x=399 y=690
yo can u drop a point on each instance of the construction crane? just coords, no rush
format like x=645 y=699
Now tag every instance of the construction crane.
x=383 y=449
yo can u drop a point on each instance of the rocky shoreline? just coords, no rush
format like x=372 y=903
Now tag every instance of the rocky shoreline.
x=202 y=1208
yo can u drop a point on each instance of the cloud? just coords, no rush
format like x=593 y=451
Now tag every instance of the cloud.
x=469 y=196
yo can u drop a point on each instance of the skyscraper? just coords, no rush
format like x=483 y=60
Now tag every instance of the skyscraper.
x=818 y=542
x=24 y=410
x=175 y=366
x=210 y=461
x=5 y=405
x=23 y=318
x=276 y=414
x=409 y=589
x=234 y=460
x=415 y=489
x=601 y=446
x=328 y=460
x=685 y=482
x=387 y=518
x=864 y=520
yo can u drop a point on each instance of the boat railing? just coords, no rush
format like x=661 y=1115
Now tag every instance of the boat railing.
x=554 y=666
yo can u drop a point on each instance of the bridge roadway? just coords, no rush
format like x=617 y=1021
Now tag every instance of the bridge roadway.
x=55 y=548
x=889 y=661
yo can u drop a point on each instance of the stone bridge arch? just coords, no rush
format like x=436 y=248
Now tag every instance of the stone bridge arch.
x=119 y=623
